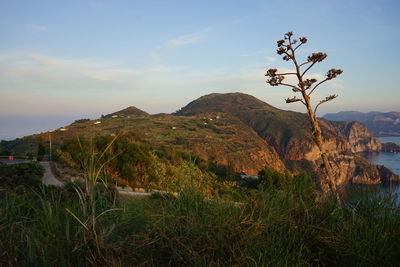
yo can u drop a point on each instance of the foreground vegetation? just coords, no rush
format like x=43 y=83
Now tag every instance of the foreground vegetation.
x=275 y=224
x=131 y=161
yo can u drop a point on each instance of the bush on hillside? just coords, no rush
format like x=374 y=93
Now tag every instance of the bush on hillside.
x=132 y=161
x=25 y=174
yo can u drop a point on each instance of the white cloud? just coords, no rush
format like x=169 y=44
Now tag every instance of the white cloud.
x=84 y=84
x=60 y=84
x=36 y=28
x=186 y=39
x=163 y=68
x=337 y=84
x=180 y=41
x=270 y=59
x=37 y=83
x=92 y=63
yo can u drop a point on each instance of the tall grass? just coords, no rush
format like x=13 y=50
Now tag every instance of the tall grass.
x=270 y=227
x=92 y=204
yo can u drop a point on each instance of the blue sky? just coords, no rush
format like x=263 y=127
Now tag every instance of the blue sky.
x=78 y=59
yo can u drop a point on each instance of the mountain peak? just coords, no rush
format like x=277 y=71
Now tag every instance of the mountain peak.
x=129 y=111
x=222 y=103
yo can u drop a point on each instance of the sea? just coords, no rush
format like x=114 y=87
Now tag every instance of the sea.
x=390 y=161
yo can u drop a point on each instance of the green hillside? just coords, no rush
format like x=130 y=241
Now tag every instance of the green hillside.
x=287 y=131
x=213 y=136
x=234 y=129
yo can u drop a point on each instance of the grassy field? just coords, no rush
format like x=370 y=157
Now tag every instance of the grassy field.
x=276 y=224
x=215 y=136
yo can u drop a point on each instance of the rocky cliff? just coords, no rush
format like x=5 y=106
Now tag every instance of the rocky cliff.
x=358 y=137
x=289 y=134
x=390 y=147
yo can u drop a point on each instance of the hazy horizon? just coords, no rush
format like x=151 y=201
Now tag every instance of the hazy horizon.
x=19 y=126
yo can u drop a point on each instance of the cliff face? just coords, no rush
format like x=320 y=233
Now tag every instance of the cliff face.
x=390 y=147
x=358 y=136
x=289 y=134
x=350 y=168
x=387 y=176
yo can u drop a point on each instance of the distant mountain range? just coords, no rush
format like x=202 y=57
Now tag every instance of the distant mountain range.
x=379 y=123
x=239 y=130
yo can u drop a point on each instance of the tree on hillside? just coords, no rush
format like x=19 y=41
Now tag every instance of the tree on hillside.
x=305 y=87
x=41 y=150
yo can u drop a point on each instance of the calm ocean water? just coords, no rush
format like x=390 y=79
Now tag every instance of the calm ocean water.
x=389 y=160
x=393 y=139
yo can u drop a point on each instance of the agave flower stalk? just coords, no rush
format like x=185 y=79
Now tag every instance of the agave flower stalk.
x=304 y=88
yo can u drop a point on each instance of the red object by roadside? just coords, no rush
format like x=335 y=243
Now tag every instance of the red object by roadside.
x=10 y=157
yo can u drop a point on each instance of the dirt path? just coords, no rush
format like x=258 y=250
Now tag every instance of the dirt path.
x=48 y=177
x=135 y=194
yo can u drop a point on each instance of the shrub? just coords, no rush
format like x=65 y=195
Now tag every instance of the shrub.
x=24 y=174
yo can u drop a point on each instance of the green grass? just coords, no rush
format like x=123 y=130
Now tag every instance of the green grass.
x=274 y=227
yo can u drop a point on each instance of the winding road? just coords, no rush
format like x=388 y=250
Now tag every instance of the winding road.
x=49 y=177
